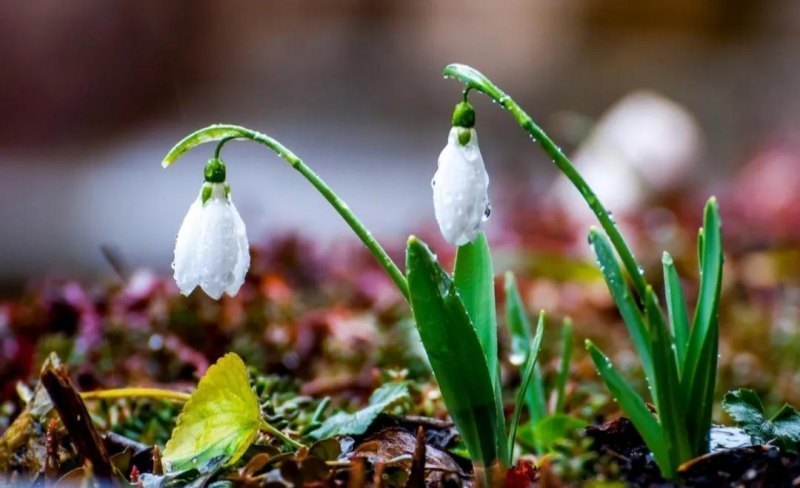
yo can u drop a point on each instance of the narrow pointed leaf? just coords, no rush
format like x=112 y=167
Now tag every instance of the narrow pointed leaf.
x=527 y=375
x=626 y=304
x=521 y=337
x=700 y=369
x=218 y=423
x=669 y=398
x=635 y=408
x=676 y=307
x=455 y=354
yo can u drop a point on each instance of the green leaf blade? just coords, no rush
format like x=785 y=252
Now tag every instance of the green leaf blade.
x=218 y=423
x=631 y=315
x=635 y=408
x=455 y=354
x=676 y=307
x=746 y=409
x=358 y=422
x=474 y=280
x=669 y=398
x=700 y=368
x=521 y=337
x=527 y=375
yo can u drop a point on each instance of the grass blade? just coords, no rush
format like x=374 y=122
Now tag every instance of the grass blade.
x=676 y=307
x=521 y=337
x=527 y=375
x=710 y=257
x=634 y=407
x=625 y=303
x=563 y=370
x=669 y=399
x=701 y=395
x=474 y=279
x=700 y=368
x=455 y=354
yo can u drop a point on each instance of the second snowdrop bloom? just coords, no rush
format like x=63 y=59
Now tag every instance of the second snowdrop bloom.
x=460 y=185
x=211 y=250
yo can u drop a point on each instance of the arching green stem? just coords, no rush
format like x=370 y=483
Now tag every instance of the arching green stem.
x=476 y=80
x=225 y=133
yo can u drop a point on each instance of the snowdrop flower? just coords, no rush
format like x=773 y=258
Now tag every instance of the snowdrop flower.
x=211 y=250
x=460 y=196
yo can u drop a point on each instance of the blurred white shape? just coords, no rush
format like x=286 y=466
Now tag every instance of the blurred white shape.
x=643 y=146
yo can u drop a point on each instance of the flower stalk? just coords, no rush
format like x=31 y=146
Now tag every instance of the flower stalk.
x=475 y=80
x=225 y=133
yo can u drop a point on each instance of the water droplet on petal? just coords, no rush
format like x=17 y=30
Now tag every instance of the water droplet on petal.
x=487 y=212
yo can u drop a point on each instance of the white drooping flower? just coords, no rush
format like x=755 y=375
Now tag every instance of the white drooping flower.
x=460 y=189
x=211 y=250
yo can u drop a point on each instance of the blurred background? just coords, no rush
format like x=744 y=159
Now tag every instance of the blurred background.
x=93 y=94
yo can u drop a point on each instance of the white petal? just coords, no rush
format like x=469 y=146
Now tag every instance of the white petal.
x=243 y=257
x=218 y=249
x=186 y=274
x=460 y=197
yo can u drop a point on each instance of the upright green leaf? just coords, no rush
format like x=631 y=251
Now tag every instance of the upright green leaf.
x=474 y=279
x=455 y=354
x=527 y=375
x=676 y=307
x=669 y=398
x=635 y=408
x=700 y=368
x=628 y=309
x=710 y=257
x=218 y=423
x=563 y=369
x=521 y=337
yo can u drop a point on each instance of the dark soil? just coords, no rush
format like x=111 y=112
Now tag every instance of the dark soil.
x=751 y=466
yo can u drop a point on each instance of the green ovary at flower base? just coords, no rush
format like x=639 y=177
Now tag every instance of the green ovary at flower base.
x=680 y=363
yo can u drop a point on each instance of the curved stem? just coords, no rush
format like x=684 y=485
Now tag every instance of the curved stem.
x=225 y=132
x=117 y=393
x=474 y=79
x=218 y=149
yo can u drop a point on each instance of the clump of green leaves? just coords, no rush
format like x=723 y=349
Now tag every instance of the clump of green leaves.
x=746 y=409
x=547 y=423
x=679 y=362
x=457 y=322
